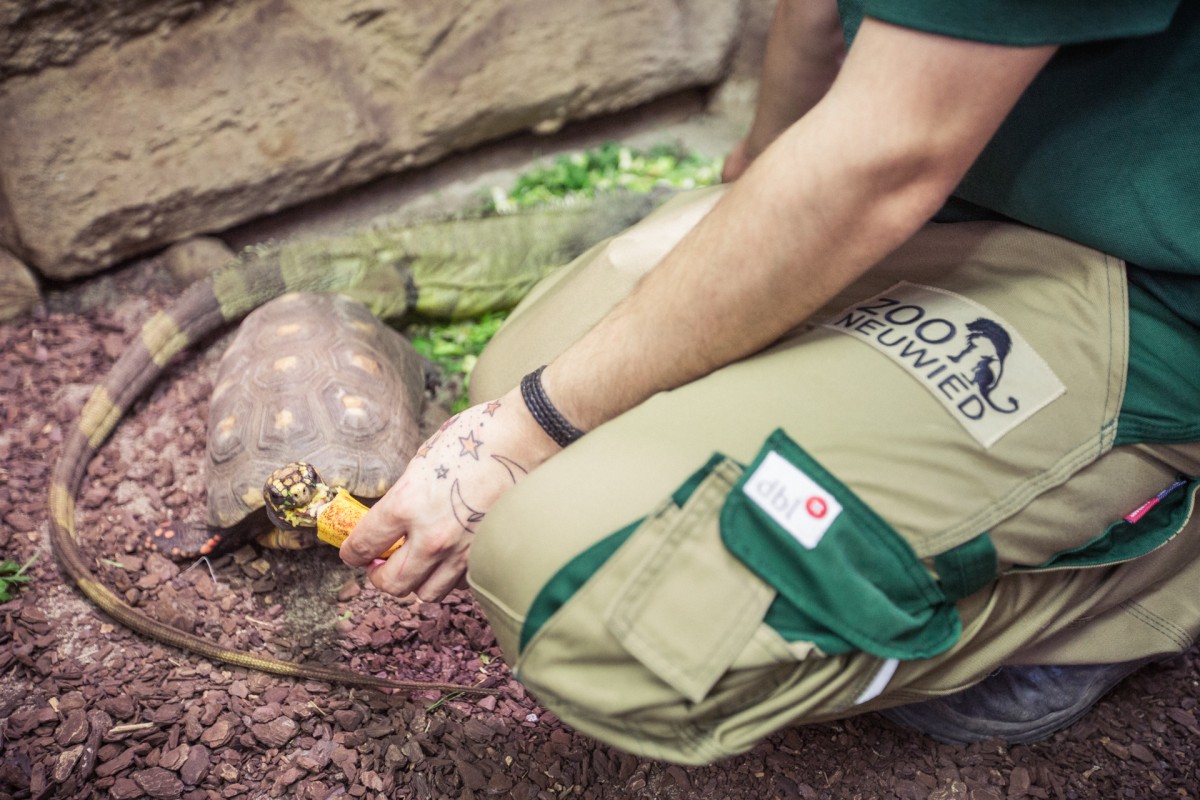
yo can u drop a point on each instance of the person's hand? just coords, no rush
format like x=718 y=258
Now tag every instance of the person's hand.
x=443 y=495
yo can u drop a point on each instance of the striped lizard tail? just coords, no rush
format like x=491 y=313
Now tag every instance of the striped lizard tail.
x=203 y=308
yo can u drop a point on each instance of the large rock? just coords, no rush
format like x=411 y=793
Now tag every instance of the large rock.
x=18 y=288
x=35 y=34
x=245 y=110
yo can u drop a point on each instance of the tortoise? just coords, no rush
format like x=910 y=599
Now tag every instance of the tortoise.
x=308 y=377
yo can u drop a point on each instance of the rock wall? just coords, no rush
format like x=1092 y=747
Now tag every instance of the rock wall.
x=35 y=34
x=229 y=111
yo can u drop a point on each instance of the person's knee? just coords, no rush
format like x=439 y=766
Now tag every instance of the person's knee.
x=558 y=584
x=521 y=545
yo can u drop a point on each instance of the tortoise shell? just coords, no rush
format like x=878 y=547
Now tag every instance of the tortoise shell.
x=316 y=378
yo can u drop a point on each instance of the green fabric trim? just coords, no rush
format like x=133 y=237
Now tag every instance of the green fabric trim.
x=1018 y=22
x=793 y=623
x=1125 y=541
x=1178 y=292
x=967 y=568
x=1162 y=390
x=860 y=587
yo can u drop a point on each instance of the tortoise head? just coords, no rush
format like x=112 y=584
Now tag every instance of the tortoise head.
x=294 y=494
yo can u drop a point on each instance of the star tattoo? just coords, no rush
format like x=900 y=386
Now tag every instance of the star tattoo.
x=424 y=449
x=470 y=445
x=441 y=472
x=491 y=408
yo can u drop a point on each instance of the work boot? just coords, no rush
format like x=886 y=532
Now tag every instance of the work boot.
x=1018 y=704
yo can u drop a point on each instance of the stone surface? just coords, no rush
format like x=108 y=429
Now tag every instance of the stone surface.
x=18 y=288
x=35 y=34
x=245 y=110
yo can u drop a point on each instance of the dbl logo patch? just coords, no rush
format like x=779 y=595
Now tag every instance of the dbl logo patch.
x=799 y=504
x=976 y=364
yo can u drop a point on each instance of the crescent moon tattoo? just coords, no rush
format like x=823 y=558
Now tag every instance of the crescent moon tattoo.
x=512 y=467
x=463 y=513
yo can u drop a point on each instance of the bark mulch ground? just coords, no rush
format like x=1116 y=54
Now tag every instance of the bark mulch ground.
x=89 y=710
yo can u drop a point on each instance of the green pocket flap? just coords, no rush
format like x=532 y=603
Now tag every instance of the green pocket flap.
x=846 y=580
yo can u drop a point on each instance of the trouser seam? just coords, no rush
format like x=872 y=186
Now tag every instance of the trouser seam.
x=1018 y=498
x=1158 y=623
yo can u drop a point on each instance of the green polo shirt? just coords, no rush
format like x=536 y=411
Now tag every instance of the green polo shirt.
x=1103 y=148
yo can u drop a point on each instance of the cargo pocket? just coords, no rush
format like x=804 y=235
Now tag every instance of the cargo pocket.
x=1145 y=529
x=846 y=580
x=663 y=590
x=687 y=610
x=745 y=568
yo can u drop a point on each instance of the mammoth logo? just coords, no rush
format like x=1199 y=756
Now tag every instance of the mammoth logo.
x=972 y=361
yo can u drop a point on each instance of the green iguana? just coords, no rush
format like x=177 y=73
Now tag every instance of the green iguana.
x=449 y=269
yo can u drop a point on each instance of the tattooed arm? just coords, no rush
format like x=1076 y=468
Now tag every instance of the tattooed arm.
x=454 y=478
x=834 y=193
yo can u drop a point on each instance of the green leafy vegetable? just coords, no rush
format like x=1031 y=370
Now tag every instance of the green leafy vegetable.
x=608 y=167
x=454 y=348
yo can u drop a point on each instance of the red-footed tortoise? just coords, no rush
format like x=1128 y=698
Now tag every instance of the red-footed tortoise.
x=309 y=377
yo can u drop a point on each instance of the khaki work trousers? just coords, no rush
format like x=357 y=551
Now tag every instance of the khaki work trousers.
x=901 y=426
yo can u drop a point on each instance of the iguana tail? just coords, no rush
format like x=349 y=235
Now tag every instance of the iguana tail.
x=199 y=311
x=505 y=259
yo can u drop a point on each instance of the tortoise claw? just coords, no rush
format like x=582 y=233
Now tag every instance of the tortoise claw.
x=181 y=541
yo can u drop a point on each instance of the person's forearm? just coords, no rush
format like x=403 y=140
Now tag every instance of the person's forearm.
x=767 y=256
x=803 y=52
x=838 y=191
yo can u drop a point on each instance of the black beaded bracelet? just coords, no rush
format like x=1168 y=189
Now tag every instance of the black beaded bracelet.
x=544 y=412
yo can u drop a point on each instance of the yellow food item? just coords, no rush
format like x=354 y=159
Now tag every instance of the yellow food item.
x=337 y=519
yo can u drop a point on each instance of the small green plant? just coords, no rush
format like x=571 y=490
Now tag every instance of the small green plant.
x=12 y=576
x=445 y=698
